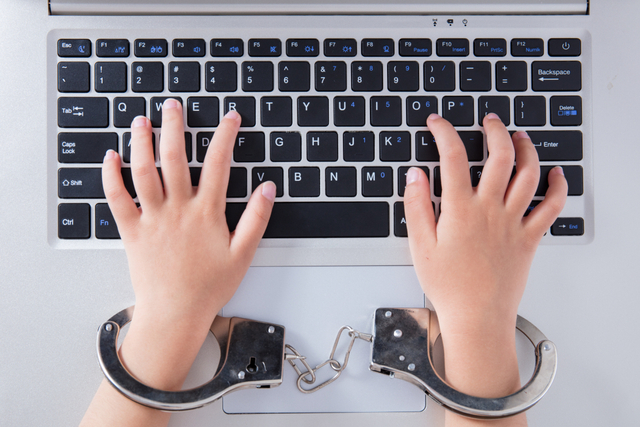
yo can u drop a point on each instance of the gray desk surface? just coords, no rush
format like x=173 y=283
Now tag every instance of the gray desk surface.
x=585 y=298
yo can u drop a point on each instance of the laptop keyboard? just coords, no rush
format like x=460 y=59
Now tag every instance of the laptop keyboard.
x=335 y=122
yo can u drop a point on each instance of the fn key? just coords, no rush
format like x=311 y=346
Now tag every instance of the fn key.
x=74 y=221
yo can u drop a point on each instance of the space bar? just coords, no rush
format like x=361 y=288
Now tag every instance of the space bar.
x=321 y=219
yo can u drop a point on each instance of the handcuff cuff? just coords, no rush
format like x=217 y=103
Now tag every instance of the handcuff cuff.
x=252 y=355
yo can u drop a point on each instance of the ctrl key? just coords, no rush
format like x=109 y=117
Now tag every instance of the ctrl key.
x=74 y=221
x=568 y=227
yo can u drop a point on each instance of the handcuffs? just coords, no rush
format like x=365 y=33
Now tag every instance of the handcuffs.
x=252 y=355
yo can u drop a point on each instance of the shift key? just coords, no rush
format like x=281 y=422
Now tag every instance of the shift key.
x=83 y=112
x=80 y=183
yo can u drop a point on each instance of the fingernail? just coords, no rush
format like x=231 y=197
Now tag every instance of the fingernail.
x=170 y=103
x=492 y=116
x=110 y=154
x=412 y=175
x=139 y=121
x=433 y=116
x=233 y=115
x=559 y=170
x=521 y=134
x=269 y=191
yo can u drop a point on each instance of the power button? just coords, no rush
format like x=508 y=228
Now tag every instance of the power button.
x=565 y=47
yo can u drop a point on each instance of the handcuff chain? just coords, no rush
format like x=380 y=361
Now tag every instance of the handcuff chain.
x=309 y=376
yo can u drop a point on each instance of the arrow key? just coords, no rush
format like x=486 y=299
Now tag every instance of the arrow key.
x=568 y=227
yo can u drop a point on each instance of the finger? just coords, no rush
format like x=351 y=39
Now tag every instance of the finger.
x=253 y=222
x=497 y=170
x=454 y=166
x=143 y=166
x=173 y=157
x=215 y=170
x=122 y=206
x=542 y=217
x=525 y=182
x=418 y=210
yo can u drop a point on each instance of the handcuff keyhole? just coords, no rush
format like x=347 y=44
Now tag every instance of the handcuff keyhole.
x=252 y=368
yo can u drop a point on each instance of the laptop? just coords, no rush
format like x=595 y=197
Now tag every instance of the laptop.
x=333 y=98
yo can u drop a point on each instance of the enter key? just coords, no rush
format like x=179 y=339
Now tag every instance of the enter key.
x=557 y=145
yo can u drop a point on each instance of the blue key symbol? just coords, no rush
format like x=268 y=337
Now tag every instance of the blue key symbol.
x=273 y=49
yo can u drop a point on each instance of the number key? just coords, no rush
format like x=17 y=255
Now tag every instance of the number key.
x=439 y=76
x=403 y=76
x=221 y=77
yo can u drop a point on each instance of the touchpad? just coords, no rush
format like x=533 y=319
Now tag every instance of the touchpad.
x=313 y=303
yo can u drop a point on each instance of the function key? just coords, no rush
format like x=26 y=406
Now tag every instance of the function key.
x=112 y=48
x=265 y=47
x=565 y=47
x=377 y=47
x=527 y=47
x=150 y=47
x=303 y=47
x=489 y=47
x=74 y=47
x=452 y=47
x=340 y=47
x=415 y=47
x=188 y=47
x=227 y=47
x=568 y=227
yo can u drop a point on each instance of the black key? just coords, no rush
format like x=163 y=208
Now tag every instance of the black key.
x=489 y=47
x=203 y=111
x=125 y=109
x=69 y=48
x=294 y=76
x=458 y=110
x=426 y=149
x=275 y=111
x=227 y=47
x=573 y=174
x=377 y=182
x=419 y=108
x=221 y=77
x=331 y=76
x=147 y=77
x=358 y=146
x=156 y=109
x=260 y=175
x=511 y=76
x=84 y=147
x=303 y=47
x=527 y=47
x=340 y=47
x=399 y=220
x=473 y=143
x=112 y=48
x=313 y=111
x=249 y=147
x=530 y=110
x=452 y=47
x=568 y=227
x=245 y=106
x=403 y=76
x=203 y=140
x=304 y=182
x=566 y=110
x=285 y=147
x=499 y=105
x=557 y=145
x=395 y=146
x=106 y=227
x=415 y=47
x=439 y=76
x=237 y=187
x=402 y=177
x=110 y=77
x=476 y=174
x=437 y=182
x=265 y=47
x=348 y=111
x=565 y=47
x=73 y=77
x=377 y=47
x=150 y=48
x=257 y=76
x=321 y=219
x=80 y=183
x=366 y=76
x=556 y=76
x=188 y=145
x=475 y=76
x=188 y=47
x=184 y=76
x=84 y=112
x=74 y=221
x=340 y=182
x=386 y=110
x=322 y=147
x=126 y=147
